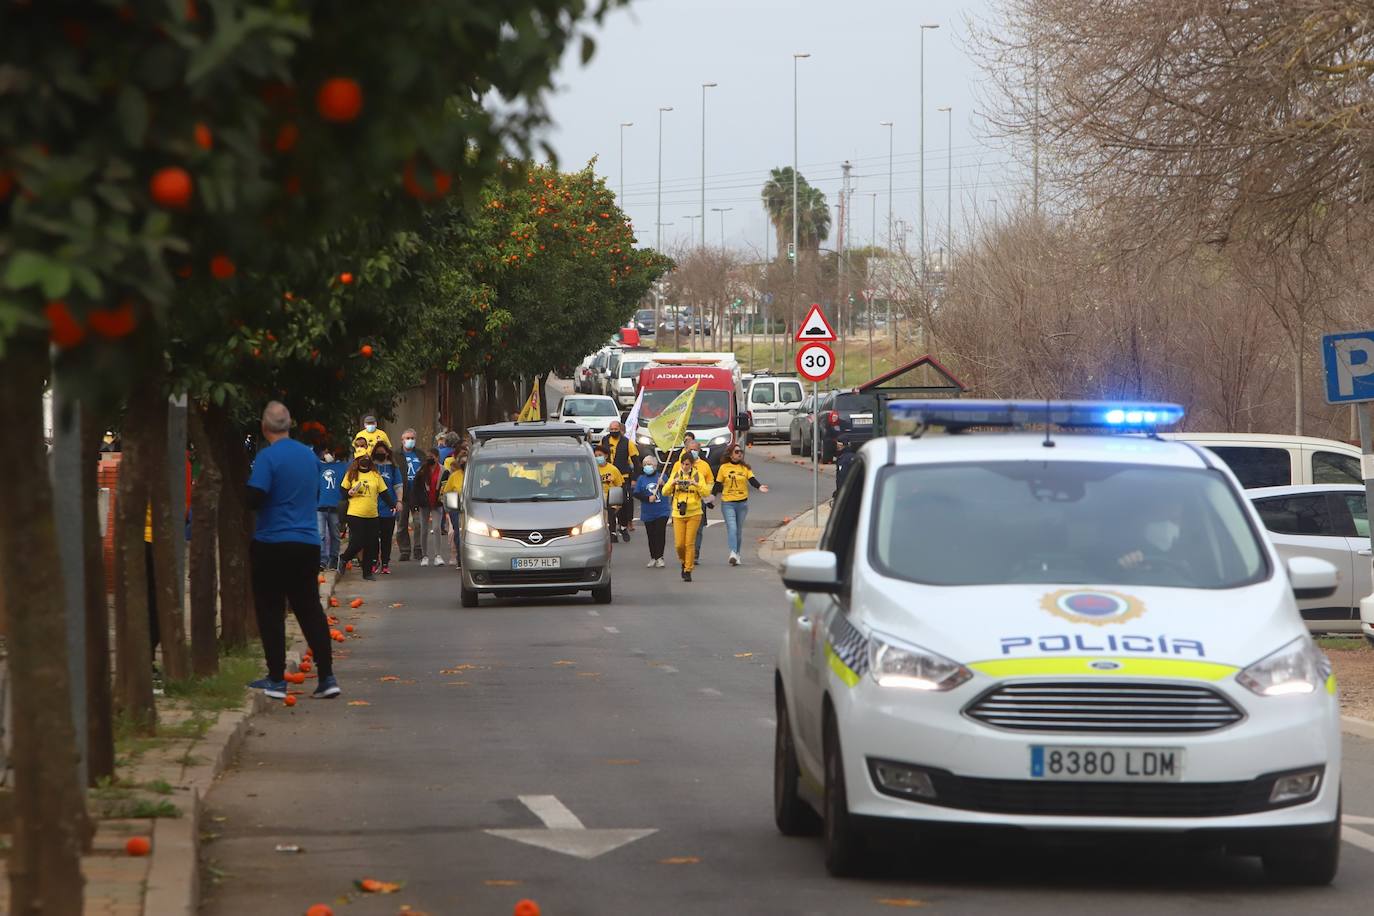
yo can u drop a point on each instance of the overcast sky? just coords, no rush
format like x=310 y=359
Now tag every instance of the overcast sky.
x=863 y=69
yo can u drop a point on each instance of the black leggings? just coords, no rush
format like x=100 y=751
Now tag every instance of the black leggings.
x=657 y=532
x=282 y=573
x=362 y=539
x=386 y=530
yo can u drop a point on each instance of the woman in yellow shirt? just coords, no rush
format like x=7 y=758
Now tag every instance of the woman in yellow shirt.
x=732 y=483
x=610 y=477
x=685 y=489
x=363 y=486
x=453 y=483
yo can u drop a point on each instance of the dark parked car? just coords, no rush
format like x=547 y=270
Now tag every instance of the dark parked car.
x=846 y=415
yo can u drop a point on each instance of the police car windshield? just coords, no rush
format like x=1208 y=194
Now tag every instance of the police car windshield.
x=1063 y=522
x=533 y=480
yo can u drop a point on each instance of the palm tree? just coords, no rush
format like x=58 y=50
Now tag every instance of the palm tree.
x=813 y=214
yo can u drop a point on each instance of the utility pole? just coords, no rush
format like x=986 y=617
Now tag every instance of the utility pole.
x=921 y=203
x=868 y=287
x=949 y=180
x=1035 y=141
x=702 y=211
x=658 y=218
x=842 y=254
x=796 y=176
x=623 y=125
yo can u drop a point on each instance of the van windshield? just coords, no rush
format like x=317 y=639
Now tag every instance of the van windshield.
x=533 y=479
x=710 y=410
x=1063 y=522
x=631 y=370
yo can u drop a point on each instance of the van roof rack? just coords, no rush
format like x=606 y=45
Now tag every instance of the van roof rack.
x=533 y=429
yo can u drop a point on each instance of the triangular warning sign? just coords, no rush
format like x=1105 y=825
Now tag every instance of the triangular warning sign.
x=815 y=327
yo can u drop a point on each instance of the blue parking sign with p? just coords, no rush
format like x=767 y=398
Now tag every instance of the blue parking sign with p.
x=1349 y=362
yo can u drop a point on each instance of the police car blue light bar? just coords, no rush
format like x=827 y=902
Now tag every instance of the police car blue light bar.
x=1124 y=415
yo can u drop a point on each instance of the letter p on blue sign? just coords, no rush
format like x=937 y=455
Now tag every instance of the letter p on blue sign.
x=1349 y=362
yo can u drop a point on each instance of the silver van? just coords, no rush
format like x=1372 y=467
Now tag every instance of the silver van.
x=772 y=402
x=534 y=517
x=1275 y=460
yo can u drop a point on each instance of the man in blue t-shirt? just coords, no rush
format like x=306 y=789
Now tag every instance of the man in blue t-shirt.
x=283 y=489
x=327 y=508
x=412 y=458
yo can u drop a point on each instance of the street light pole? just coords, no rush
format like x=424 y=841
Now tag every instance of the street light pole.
x=704 y=87
x=722 y=211
x=623 y=125
x=691 y=226
x=658 y=218
x=796 y=253
x=887 y=285
x=921 y=205
x=868 y=298
x=949 y=180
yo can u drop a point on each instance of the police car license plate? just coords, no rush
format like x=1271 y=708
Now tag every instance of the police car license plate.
x=536 y=562
x=1106 y=764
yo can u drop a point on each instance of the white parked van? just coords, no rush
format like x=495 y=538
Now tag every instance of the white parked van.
x=773 y=400
x=1264 y=460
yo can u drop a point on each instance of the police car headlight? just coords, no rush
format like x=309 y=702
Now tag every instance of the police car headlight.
x=595 y=523
x=895 y=665
x=1298 y=667
x=477 y=526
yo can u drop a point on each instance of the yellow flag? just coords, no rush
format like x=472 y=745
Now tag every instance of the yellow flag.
x=668 y=428
x=531 y=409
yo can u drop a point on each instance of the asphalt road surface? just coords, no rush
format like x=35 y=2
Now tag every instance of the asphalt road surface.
x=628 y=750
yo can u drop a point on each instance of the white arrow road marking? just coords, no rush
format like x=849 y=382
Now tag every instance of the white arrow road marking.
x=611 y=629
x=564 y=833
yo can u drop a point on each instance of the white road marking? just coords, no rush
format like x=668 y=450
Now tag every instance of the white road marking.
x=712 y=692
x=563 y=832
x=767 y=722
x=1358 y=838
x=666 y=669
x=593 y=613
x=611 y=629
x=1356 y=819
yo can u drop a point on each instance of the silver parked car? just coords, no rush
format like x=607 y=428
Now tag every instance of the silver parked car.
x=534 y=519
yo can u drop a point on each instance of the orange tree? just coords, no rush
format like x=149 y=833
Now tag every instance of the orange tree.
x=142 y=141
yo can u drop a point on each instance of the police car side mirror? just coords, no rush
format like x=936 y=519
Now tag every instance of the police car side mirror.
x=811 y=571
x=616 y=497
x=1312 y=578
x=451 y=501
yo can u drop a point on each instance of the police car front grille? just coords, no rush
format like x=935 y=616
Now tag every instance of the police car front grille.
x=1095 y=706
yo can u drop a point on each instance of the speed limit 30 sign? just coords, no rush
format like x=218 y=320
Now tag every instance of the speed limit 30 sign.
x=815 y=362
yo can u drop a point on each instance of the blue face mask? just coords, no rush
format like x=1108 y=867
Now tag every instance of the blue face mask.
x=650 y=468
x=600 y=459
x=371 y=427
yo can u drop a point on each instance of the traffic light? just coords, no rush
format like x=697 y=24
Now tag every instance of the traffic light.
x=791 y=252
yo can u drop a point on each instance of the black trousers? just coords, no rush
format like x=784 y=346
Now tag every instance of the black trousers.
x=362 y=538
x=626 y=513
x=657 y=532
x=282 y=573
x=386 y=530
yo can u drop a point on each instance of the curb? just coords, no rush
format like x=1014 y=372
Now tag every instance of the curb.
x=1360 y=728
x=173 y=884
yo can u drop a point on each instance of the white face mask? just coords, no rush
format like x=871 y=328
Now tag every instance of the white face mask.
x=1162 y=534
x=409 y=443
x=371 y=427
x=650 y=468
x=328 y=457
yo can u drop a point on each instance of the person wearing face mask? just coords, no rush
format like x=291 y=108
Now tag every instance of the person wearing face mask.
x=623 y=454
x=1157 y=539
x=687 y=489
x=732 y=483
x=453 y=483
x=364 y=489
x=653 y=509
x=360 y=446
x=690 y=445
x=412 y=458
x=327 y=507
x=425 y=491
x=610 y=477
x=386 y=512
x=371 y=435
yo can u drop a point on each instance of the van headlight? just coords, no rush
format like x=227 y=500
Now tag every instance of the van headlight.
x=719 y=440
x=894 y=665
x=1298 y=667
x=477 y=526
x=595 y=523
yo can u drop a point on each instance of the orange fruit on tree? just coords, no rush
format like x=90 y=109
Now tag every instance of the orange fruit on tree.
x=63 y=328
x=222 y=267
x=290 y=700
x=138 y=846
x=171 y=187
x=286 y=138
x=366 y=351
x=114 y=323
x=345 y=278
x=6 y=184
x=204 y=138
x=340 y=99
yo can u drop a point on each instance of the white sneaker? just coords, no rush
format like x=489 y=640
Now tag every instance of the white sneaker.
x=424 y=561
x=438 y=561
x=651 y=564
x=659 y=562
x=734 y=558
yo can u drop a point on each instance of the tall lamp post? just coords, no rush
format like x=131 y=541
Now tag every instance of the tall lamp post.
x=868 y=287
x=921 y=205
x=623 y=125
x=796 y=254
x=702 y=211
x=949 y=180
x=658 y=216
x=691 y=226
x=887 y=294
x=722 y=211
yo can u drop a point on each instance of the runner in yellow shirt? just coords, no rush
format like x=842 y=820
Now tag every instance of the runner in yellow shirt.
x=686 y=489
x=610 y=477
x=733 y=481
x=364 y=486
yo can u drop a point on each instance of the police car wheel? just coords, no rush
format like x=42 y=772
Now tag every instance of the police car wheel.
x=1306 y=862
x=793 y=816
x=845 y=846
x=467 y=597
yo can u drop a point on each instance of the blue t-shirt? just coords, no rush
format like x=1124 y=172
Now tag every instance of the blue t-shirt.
x=392 y=475
x=413 y=462
x=288 y=472
x=331 y=475
x=645 y=486
x=444 y=452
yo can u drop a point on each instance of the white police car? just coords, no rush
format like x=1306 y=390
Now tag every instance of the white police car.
x=1061 y=631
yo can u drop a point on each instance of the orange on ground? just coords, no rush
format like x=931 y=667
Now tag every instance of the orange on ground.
x=333 y=634
x=527 y=908
x=138 y=846
x=322 y=580
x=290 y=700
x=305 y=667
x=356 y=602
x=319 y=909
x=340 y=99
x=294 y=677
x=171 y=187
x=333 y=602
x=349 y=628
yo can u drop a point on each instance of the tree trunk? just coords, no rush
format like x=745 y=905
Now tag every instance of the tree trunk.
x=133 y=648
x=169 y=534
x=203 y=562
x=99 y=701
x=49 y=810
x=1298 y=367
x=235 y=592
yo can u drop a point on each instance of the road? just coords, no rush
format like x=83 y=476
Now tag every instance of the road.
x=651 y=714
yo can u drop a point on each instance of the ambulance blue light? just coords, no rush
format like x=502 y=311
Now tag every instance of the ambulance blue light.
x=1121 y=415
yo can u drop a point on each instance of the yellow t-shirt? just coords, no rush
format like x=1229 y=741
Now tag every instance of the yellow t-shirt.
x=686 y=500
x=454 y=484
x=703 y=468
x=373 y=438
x=610 y=477
x=363 y=504
x=734 y=481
